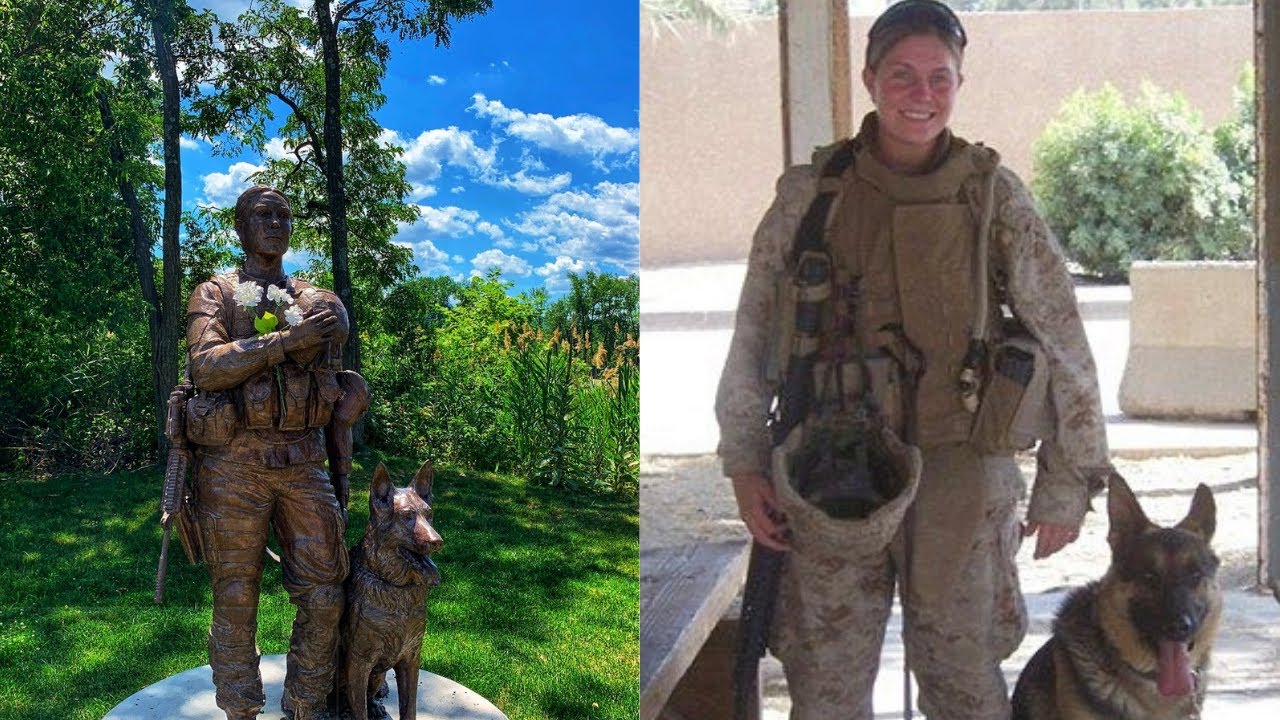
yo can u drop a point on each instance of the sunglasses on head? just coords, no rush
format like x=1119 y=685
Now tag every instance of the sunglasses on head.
x=919 y=13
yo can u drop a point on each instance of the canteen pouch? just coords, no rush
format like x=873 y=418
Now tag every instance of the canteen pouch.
x=1015 y=410
x=211 y=418
x=259 y=393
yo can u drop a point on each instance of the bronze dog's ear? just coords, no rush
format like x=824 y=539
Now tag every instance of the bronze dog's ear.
x=381 y=491
x=1126 y=515
x=1202 y=519
x=423 y=481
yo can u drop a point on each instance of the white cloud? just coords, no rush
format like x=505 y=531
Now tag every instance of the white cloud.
x=556 y=273
x=508 y=264
x=456 y=189
x=187 y=143
x=577 y=134
x=435 y=80
x=430 y=259
x=490 y=229
x=222 y=189
x=527 y=184
x=598 y=226
x=426 y=155
x=231 y=9
x=448 y=220
x=277 y=149
x=420 y=191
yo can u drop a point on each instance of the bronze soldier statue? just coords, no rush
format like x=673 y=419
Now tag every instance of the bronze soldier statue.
x=271 y=405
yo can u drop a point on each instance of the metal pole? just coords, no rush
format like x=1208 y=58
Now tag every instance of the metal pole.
x=1266 y=63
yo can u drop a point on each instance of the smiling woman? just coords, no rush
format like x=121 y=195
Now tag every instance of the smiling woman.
x=885 y=290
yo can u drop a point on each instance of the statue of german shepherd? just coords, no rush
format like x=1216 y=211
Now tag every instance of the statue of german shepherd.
x=1134 y=645
x=386 y=613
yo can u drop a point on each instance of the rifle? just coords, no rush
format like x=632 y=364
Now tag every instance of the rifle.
x=174 y=495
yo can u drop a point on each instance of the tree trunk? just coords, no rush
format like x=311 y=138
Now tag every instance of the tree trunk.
x=146 y=272
x=333 y=175
x=171 y=318
x=335 y=188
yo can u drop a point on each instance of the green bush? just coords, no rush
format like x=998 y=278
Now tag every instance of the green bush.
x=1121 y=182
x=1236 y=143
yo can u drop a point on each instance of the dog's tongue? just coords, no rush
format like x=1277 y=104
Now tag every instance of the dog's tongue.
x=1173 y=670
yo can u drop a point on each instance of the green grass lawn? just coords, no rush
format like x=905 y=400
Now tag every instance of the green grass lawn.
x=538 y=610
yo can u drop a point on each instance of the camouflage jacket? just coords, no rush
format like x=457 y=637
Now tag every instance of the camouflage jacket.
x=1071 y=464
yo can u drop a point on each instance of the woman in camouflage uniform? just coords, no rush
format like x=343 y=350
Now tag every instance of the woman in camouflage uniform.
x=911 y=204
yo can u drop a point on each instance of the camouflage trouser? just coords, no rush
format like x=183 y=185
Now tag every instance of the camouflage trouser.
x=237 y=505
x=964 y=609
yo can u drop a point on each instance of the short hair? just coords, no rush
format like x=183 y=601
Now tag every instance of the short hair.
x=914 y=17
x=248 y=197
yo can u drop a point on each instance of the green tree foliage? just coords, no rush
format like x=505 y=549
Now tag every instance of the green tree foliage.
x=70 y=312
x=1120 y=182
x=1236 y=142
x=604 y=308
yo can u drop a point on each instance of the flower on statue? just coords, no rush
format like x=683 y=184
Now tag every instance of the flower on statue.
x=293 y=316
x=248 y=294
x=279 y=295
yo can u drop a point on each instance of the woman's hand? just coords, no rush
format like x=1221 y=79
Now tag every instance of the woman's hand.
x=1050 y=537
x=758 y=506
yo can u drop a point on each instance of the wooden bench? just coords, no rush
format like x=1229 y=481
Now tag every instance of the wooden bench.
x=684 y=592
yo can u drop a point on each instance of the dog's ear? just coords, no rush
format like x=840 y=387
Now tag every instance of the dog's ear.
x=381 y=491
x=1202 y=519
x=1127 y=520
x=423 y=481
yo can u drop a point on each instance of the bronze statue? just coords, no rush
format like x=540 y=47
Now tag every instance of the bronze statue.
x=391 y=572
x=271 y=404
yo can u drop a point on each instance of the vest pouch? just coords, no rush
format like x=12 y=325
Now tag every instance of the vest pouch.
x=259 y=396
x=211 y=418
x=323 y=395
x=296 y=382
x=885 y=375
x=1015 y=410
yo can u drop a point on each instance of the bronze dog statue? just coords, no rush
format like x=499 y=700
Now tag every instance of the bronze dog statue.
x=386 y=613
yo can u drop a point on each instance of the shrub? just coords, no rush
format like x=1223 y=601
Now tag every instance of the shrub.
x=1120 y=182
x=1236 y=143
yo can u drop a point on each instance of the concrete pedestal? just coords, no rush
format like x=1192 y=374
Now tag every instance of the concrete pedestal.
x=189 y=696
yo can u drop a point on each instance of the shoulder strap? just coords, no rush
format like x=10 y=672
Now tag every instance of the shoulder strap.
x=812 y=233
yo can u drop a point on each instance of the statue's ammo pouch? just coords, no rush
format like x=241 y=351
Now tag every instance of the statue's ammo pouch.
x=323 y=395
x=259 y=397
x=1015 y=410
x=296 y=382
x=211 y=417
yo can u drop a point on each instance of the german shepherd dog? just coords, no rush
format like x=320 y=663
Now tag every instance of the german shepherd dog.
x=1134 y=645
x=386 y=612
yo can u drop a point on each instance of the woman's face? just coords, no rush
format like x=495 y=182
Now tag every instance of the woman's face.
x=914 y=88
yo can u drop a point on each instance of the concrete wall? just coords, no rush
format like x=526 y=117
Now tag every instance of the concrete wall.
x=1192 y=341
x=710 y=107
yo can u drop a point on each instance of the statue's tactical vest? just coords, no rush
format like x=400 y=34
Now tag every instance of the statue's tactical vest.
x=912 y=240
x=287 y=400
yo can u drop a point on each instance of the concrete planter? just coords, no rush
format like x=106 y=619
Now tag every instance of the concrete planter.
x=1192 y=341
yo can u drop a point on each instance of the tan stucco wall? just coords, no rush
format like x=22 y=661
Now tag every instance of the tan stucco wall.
x=710 y=106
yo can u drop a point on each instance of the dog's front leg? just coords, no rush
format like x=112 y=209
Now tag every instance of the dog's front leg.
x=358 y=686
x=407 y=686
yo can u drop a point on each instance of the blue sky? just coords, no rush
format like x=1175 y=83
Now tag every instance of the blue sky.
x=521 y=142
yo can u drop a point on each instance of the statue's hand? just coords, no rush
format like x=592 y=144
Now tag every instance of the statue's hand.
x=342 y=489
x=313 y=331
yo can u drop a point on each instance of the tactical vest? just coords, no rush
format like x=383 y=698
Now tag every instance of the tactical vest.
x=299 y=393
x=903 y=252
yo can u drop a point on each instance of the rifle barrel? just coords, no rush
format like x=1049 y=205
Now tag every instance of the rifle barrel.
x=163 y=570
